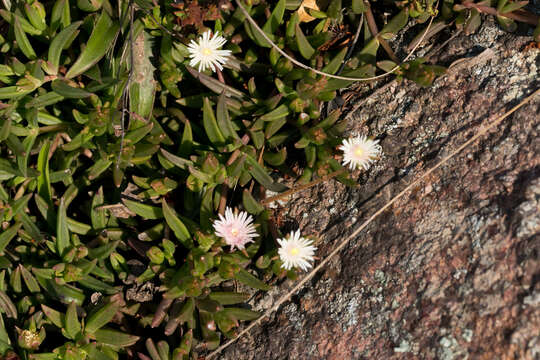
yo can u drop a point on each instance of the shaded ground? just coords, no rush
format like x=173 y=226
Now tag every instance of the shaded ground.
x=452 y=270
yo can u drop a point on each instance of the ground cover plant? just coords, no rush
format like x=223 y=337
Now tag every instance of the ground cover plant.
x=139 y=139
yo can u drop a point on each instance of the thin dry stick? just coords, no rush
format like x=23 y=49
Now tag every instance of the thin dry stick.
x=301 y=187
x=303 y=66
x=309 y=276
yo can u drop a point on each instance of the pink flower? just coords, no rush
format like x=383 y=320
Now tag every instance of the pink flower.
x=236 y=229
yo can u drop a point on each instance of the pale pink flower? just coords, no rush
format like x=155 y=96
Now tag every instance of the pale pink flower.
x=296 y=251
x=360 y=152
x=236 y=229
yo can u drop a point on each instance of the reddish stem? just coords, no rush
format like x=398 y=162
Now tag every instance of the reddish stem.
x=374 y=32
x=519 y=15
x=220 y=76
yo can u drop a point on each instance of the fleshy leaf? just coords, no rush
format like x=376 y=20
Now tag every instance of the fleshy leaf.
x=177 y=226
x=99 y=42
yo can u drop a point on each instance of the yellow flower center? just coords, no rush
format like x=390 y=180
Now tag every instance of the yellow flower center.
x=207 y=51
x=359 y=151
x=30 y=338
x=294 y=251
x=234 y=231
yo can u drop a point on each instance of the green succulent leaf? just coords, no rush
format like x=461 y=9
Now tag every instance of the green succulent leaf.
x=29 y=280
x=333 y=66
x=223 y=119
x=242 y=314
x=97 y=215
x=25 y=25
x=7 y=235
x=6 y=306
x=56 y=317
x=72 y=324
x=250 y=204
x=303 y=44
x=256 y=36
x=60 y=15
x=22 y=40
x=215 y=85
x=229 y=298
x=397 y=23
x=246 y=278
x=69 y=92
x=46 y=99
x=358 y=6
x=176 y=160
x=278 y=113
x=36 y=14
x=143 y=210
x=62 y=231
x=210 y=124
x=259 y=173
x=114 y=338
x=99 y=42
x=276 y=18
x=101 y=317
x=43 y=180
x=59 y=42
x=180 y=230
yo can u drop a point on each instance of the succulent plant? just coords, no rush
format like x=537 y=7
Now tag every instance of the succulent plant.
x=116 y=157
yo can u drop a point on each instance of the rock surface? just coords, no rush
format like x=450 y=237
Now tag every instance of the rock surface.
x=451 y=270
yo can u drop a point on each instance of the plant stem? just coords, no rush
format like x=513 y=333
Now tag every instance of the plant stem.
x=519 y=15
x=220 y=76
x=302 y=187
x=374 y=32
x=161 y=312
x=51 y=128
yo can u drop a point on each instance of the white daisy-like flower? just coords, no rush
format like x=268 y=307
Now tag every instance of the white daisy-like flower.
x=205 y=52
x=236 y=229
x=360 y=152
x=296 y=251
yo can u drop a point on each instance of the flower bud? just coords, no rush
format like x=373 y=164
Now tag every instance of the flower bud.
x=302 y=118
x=155 y=255
x=30 y=340
x=297 y=105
